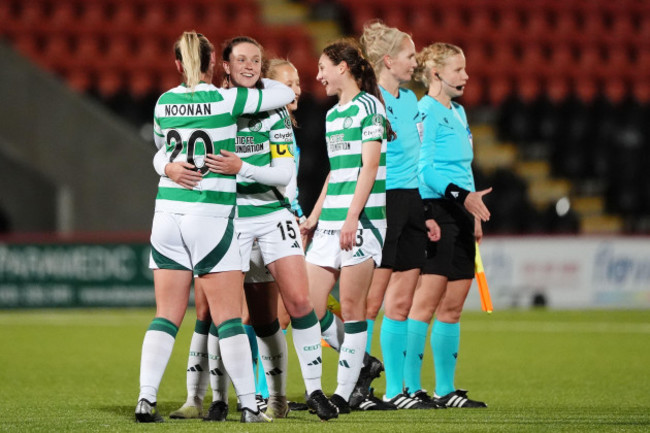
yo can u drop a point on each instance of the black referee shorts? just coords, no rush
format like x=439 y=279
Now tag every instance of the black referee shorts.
x=406 y=236
x=453 y=255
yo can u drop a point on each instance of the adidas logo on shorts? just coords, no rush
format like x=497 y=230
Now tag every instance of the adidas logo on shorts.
x=295 y=245
x=359 y=254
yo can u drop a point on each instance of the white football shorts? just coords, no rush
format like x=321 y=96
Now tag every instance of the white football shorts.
x=325 y=249
x=202 y=244
x=257 y=273
x=277 y=234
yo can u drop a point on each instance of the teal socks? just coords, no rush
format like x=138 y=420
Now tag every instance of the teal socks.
x=371 y=327
x=393 y=348
x=445 y=340
x=415 y=341
x=260 y=383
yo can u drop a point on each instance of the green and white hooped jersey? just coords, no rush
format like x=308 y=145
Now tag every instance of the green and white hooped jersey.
x=191 y=124
x=347 y=128
x=261 y=138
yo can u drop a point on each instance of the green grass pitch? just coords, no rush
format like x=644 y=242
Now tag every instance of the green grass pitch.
x=539 y=371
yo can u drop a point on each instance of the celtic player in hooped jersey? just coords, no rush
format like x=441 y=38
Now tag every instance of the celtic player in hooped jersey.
x=263 y=162
x=361 y=120
x=350 y=214
x=192 y=232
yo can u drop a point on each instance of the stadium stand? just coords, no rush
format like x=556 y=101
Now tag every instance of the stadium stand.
x=567 y=80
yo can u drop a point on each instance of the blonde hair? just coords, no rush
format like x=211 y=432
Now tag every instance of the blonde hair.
x=436 y=55
x=271 y=72
x=273 y=64
x=193 y=50
x=379 y=40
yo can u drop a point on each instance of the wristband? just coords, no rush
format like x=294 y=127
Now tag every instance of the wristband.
x=456 y=193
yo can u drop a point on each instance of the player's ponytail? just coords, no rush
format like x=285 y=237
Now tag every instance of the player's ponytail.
x=348 y=51
x=193 y=50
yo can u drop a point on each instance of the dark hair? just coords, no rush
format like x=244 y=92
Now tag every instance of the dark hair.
x=193 y=50
x=230 y=44
x=348 y=51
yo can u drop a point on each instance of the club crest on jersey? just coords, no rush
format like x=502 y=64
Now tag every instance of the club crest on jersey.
x=377 y=119
x=347 y=122
x=287 y=122
x=255 y=125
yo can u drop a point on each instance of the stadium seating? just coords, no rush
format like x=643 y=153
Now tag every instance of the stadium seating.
x=592 y=53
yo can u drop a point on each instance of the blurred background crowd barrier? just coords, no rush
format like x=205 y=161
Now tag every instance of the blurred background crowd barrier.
x=558 y=101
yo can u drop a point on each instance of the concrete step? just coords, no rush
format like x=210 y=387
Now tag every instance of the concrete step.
x=601 y=224
x=533 y=170
x=542 y=192
x=588 y=206
x=497 y=156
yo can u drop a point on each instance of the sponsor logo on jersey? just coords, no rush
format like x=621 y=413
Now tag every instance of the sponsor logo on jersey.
x=337 y=142
x=249 y=148
x=282 y=136
x=373 y=131
x=244 y=139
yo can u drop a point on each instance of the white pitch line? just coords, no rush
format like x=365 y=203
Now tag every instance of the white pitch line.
x=558 y=327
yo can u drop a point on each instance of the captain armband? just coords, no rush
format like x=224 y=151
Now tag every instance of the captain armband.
x=456 y=193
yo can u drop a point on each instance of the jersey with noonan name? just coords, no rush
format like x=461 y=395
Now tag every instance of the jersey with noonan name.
x=261 y=138
x=189 y=124
x=347 y=127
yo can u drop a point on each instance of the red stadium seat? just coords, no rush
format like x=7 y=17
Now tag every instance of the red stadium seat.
x=424 y=28
x=110 y=83
x=622 y=31
x=528 y=88
x=641 y=90
x=481 y=25
x=618 y=61
x=451 y=26
x=565 y=29
x=125 y=19
x=79 y=81
x=593 y=29
x=27 y=44
x=169 y=80
x=557 y=88
x=57 y=52
x=155 y=18
x=94 y=19
x=499 y=90
x=88 y=53
x=31 y=16
x=7 y=19
x=509 y=26
x=149 y=55
x=394 y=15
x=586 y=88
x=141 y=84
x=533 y=61
x=590 y=62
x=119 y=54
x=536 y=28
x=479 y=63
x=361 y=16
x=562 y=60
x=473 y=94
x=615 y=89
x=62 y=19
